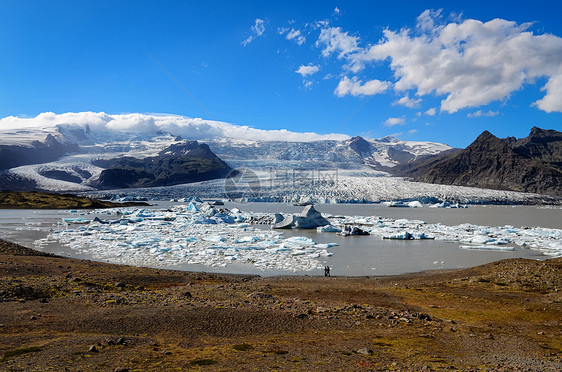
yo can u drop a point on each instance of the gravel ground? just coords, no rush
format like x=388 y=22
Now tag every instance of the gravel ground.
x=65 y=314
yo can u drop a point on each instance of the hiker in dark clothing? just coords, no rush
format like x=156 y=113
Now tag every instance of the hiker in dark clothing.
x=327 y=271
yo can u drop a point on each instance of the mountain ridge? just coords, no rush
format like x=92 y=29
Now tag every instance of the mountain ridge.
x=101 y=158
x=530 y=164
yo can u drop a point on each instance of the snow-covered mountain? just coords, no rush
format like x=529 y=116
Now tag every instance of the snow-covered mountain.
x=68 y=151
x=356 y=153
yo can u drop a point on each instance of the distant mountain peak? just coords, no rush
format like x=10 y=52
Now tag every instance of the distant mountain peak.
x=530 y=164
x=387 y=139
x=360 y=145
x=485 y=136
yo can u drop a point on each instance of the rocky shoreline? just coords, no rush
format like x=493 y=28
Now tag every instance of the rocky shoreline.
x=63 y=313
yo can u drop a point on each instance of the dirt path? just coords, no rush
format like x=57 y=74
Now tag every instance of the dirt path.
x=60 y=313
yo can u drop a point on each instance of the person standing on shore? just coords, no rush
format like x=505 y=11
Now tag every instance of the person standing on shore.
x=327 y=271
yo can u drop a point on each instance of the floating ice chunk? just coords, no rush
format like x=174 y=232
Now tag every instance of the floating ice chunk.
x=399 y=204
x=266 y=243
x=214 y=239
x=247 y=239
x=422 y=236
x=141 y=213
x=447 y=204
x=328 y=228
x=192 y=208
x=227 y=219
x=231 y=252
x=77 y=220
x=480 y=239
x=399 y=236
x=204 y=221
x=485 y=247
x=326 y=245
x=276 y=250
x=300 y=240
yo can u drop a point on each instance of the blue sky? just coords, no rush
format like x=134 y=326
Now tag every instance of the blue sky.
x=433 y=70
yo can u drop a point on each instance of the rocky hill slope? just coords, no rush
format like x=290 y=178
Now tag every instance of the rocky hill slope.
x=530 y=164
x=184 y=162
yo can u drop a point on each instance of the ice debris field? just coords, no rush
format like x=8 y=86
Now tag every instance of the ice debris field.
x=199 y=233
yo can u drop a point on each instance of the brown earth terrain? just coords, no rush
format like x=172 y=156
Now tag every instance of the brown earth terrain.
x=47 y=200
x=66 y=314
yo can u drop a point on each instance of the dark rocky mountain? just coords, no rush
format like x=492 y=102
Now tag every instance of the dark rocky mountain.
x=188 y=161
x=361 y=146
x=37 y=152
x=530 y=164
x=11 y=182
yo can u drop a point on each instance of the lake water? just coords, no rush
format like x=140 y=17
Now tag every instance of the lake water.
x=358 y=255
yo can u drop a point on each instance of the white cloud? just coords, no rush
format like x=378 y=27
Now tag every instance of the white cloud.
x=296 y=35
x=552 y=101
x=412 y=131
x=481 y=114
x=337 y=11
x=471 y=63
x=425 y=20
x=356 y=87
x=319 y=24
x=305 y=70
x=106 y=126
x=408 y=102
x=308 y=84
x=390 y=122
x=257 y=29
x=334 y=40
x=431 y=112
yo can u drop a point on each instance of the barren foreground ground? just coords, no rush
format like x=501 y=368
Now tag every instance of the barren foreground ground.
x=66 y=314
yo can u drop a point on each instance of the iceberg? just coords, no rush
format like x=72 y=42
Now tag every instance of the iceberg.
x=192 y=208
x=399 y=236
x=350 y=231
x=328 y=228
x=310 y=218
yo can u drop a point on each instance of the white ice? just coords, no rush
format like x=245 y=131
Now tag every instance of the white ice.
x=186 y=235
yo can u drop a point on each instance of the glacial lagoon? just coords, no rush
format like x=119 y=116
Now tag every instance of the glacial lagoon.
x=170 y=235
